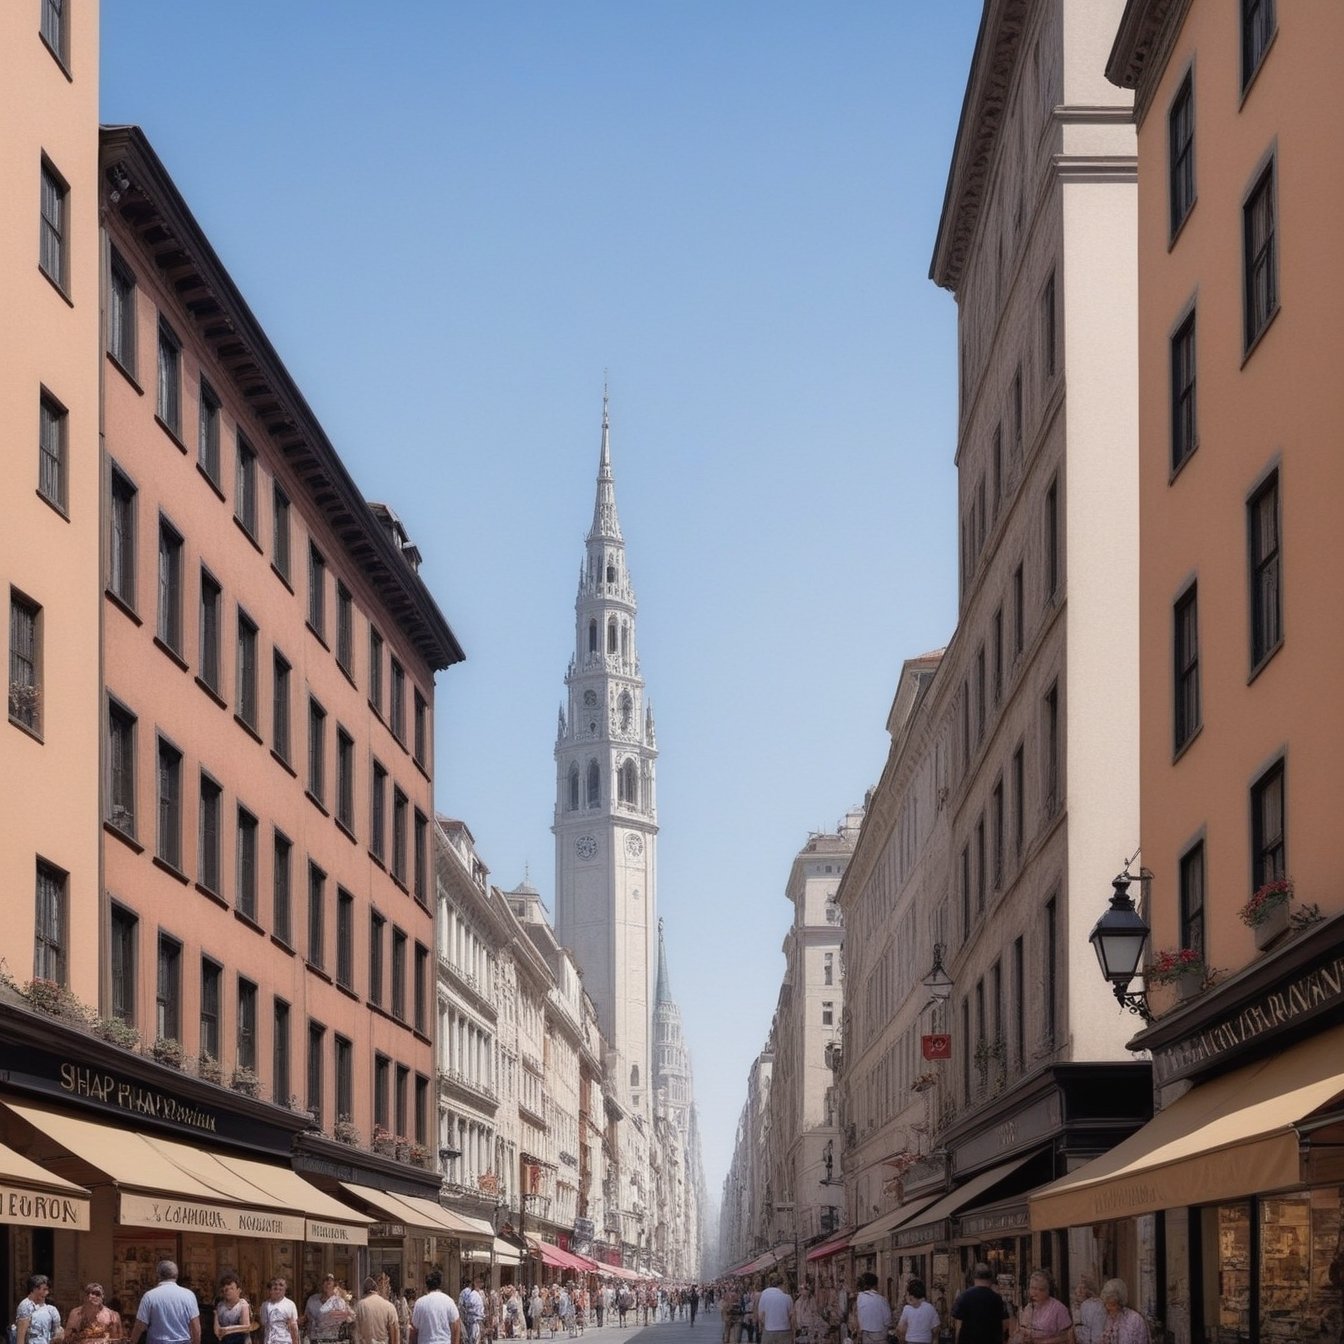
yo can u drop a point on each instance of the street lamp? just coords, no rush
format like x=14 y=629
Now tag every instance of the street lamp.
x=1118 y=940
x=938 y=982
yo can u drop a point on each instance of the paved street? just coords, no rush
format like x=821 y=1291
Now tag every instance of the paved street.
x=705 y=1329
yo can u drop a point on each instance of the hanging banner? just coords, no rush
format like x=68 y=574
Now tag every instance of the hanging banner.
x=937 y=1045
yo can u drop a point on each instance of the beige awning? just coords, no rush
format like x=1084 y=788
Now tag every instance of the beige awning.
x=425 y=1215
x=1230 y=1137
x=33 y=1196
x=872 y=1233
x=164 y=1183
x=962 y=1195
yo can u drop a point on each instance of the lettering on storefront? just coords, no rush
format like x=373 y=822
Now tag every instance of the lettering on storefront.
x=920 y=1235
x=133 y=1098
x=1025 y=1129
x=42 y=1210
x=337 y=1234
x=188 y=1216
x=991 y=1224
x=1295 y=1002
x=387 y=1231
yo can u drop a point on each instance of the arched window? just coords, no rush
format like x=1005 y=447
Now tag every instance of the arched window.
x=625 y=641
x=574 y=787
x=592 y=636
x=594 y=785
x=627 y=711
x=611 y=635
x=627 y=783
x=611 y=573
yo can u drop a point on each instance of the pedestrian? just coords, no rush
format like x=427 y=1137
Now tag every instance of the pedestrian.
x=279 y=1316
x=1123 y=1325
x=168 y=1313
x=1044 y=1319
x=37 y=1321
x=535 y=1306
x=472 y=1309
x=981 y=1315
x=807 y=1317
x=514 y=1318
x=376 y=1319
x=92 y=1320
x=694 y=1302
x=919 y=1317
x=325 y=1312
x=775 y=1314
x=1089 y=1312
x=870 y=1317
x=233 y=1312
x=435 y=1318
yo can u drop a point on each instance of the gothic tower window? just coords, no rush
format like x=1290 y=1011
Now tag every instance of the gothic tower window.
x=594 y=785
x=574 y=787
x=627 y=711
x=592 y=636
x=625 y=641
x=611 y=635
x=611 y=572
x=627 y=784
x=634 y=1075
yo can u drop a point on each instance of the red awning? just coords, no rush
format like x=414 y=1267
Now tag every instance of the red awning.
x=558 y=1259
x=832 y=1246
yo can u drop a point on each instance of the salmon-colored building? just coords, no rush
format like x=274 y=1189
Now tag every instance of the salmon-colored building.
x=1235 y=1187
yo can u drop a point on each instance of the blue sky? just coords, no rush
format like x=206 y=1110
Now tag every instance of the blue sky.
x=452 y=217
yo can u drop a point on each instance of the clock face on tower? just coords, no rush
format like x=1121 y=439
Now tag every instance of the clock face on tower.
x=634 y=845
x=585 y=846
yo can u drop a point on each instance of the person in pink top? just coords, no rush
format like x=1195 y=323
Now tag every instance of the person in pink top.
x=1045 y=1319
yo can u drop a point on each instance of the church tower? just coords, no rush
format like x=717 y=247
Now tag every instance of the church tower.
x=606 y=820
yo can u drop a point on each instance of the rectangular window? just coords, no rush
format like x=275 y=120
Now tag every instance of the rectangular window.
x=1049 y=328
x=399 y=1098
x=169 y=791
x=981 y=704
x=1017 y=412
x=52 y=427
x=317 y=764
x=54 y=252
x=121 y=314
x=280 y=706
x=169 y=404
x=1181 y=153
x=1052 y=541
x=1266 y=598
x=245 y=894
x=121 y=539
x=345 y=628
x=375 y=670
x=828 y=969
x=996 y=1003
x=280 y=1053
x=421 y=1109
x=317 y=592
x=211 y=972
x=1192 y=898
x=1051 y=969
x=54 y=29
x=211 y=603
x=207 y=862
x=1260 y=257
x=1257 y=28
x=382 y=1077
x=247 y=1025
x=1185 y=645
x=420 y=849
x=398 y=974
x=420 y=990
x=345 y=938
x=377 y=928
x=245 y=488
x=1269 y=856
x=421 y=748
x=1019 y=611
x=281 y=890
x=345 y=778
x=980 y=865
x=378 y=806
x=207 y=444
x=399 y=835
x=280 y=545
x=397 y=709
x=1184 y=425
x=317 y=891
x=997 y=646
x=317 y=1038
x=345 y=1079
x=996 y=820
x=170 y=586
x=1052 y=781
x=827 y=1013
x=25 y=662
x=1019 y=799
x=997 y=467
x=168 y=990
x=122 y=953
x=967 y=1050
x=50 y=936
x=965 y=892
x=1019 y=1004
x=247 y=670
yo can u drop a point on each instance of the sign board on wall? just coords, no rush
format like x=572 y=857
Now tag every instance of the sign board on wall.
x=937 y=1045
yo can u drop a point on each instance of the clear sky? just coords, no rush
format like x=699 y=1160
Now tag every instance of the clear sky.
x=452 y=217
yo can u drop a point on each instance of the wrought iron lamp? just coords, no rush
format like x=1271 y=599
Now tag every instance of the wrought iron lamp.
x=1118 y=939
x=938 y=982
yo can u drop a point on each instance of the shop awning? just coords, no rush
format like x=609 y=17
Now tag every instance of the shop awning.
x=163 y=1183
x=928 y=1219
x=478 y=1226
x=426 y=1216
x=872 y=1233
x=1233 y=1136
x=31 y=1195
x=561 y=1259
x=833 y=1245
x=619 y=1272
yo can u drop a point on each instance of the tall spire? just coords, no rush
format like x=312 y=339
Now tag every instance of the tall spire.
x=606 y=526
x=662 y=994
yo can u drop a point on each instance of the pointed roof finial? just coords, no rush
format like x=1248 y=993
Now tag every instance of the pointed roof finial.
x=662 y=994
x=605 y=523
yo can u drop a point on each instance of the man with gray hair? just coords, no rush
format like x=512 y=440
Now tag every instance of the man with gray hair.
x=168 y=1313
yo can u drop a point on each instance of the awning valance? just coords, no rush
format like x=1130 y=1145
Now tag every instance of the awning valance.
x=1230 y=1137
x=163 y=1183
x=426 y=1216
x=872 y=1233
x=833 y=1245
x=925 y=1225
x=558 y=1258
x=31 y=1195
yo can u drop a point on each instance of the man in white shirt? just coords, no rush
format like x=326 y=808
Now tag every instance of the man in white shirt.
x=774 y=1314
x=873 y=1311
x=279 y=1316
x=435 y=1319
x=471 y=1306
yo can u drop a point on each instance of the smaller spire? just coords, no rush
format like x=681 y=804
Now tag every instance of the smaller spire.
x=662 y=994
x=605 y=526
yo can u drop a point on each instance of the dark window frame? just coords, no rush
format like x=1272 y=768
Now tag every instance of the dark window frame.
x=1258 y=28
x=1181 y=154
x=121 y=310
x=168 y=389
x=1184 y=371
x=210 y=414
x=53 y=451
x=53 y=255
x=1265 y=566
x=51 y=923
x=1269 y=841
x=1260 y=269
x=1192 y=884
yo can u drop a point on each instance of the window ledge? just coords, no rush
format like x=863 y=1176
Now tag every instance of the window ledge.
x=1256 y=670
x=210 y=480
x=126 y=608
x=211 y=692
x=284 y=764
x=248 y=729
x=213 y=895
x=57 y=57
x=125 y=373
x=54 y=283
x=318 y=635
x=316 y=802
x=28 y=730
x=283 y=946
x=347 y=991
x=420 y=1036
x=172 y=434
x=1260 y=335
x=54 y=505
x=378 y=860
x=248 y=533
x=1188 y=743
x=1183 y=463
x=1259 y=66
x=248 y=921
x=423 y=769
x=172 y=870
x=281 y=575
x=172 y=653
x=318 y=971
x=346 y=831
x=347 y=674
x=1185 y=219
x=125 y=837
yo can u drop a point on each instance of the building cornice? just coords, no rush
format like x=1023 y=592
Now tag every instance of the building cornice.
x=1143 y=42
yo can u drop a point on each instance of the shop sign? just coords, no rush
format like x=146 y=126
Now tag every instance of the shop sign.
x=38 y=1209
x=181 y=1215
x=387 y=1231
x=923 y=1234
x=1013 y=1133
x=584 y=1229
x=997 y=1223
x=1295 y=1002
x=337 y=1234
x=937 y=1045
x=78 y=1080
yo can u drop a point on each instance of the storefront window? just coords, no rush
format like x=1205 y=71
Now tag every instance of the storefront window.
x=1301 y=1266
x=1227 y=1272
x=1177 y=1319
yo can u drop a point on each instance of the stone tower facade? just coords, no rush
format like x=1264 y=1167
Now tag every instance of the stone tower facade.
x=606 y=819
x=671 y=1059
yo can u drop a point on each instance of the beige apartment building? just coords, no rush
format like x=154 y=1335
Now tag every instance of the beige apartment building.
x=1234 y=1189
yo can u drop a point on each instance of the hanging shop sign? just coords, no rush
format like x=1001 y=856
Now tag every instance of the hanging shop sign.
x=181 y=1215
x=336 y=1234
x=937 y=1045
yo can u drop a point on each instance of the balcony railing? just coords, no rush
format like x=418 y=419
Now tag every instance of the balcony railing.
x=455 y=1078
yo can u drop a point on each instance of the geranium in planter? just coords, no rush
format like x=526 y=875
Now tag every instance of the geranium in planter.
x=209 y=1068
x=54 y=999
x=346 y=1131
x=1176 y=964
x=168 y=1051
x=246 y=1081
x=1266 y=900
x=383 y=1140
